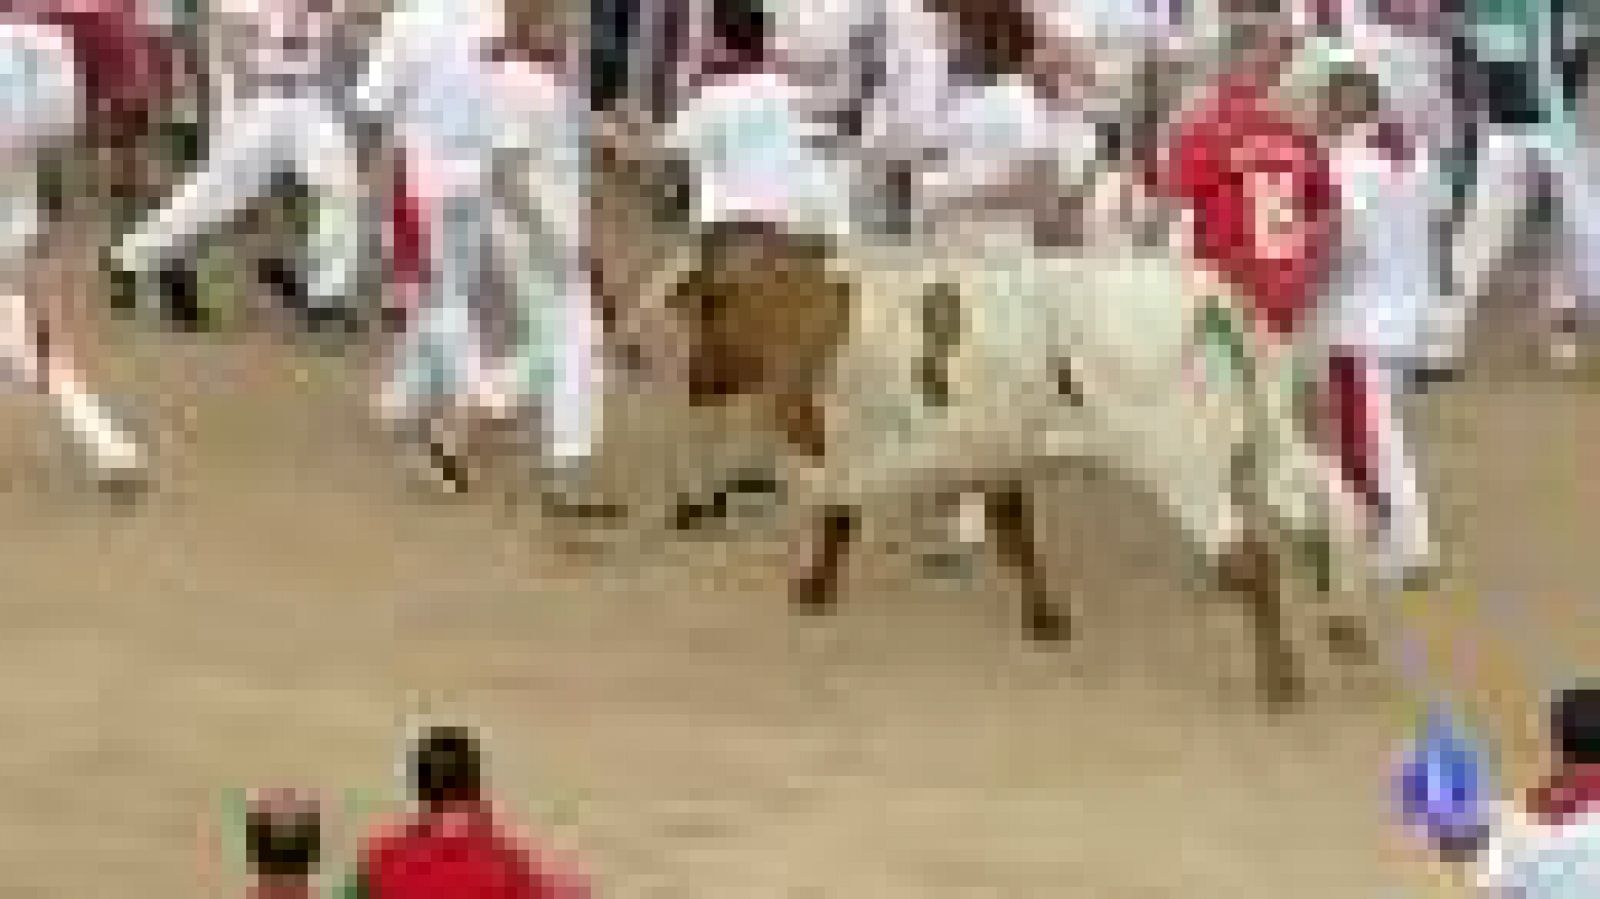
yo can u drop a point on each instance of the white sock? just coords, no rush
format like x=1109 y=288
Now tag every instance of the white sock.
x=1397 y=473
x=20 y=357
x=88 y=422
x=972 y=527
x=574 y=411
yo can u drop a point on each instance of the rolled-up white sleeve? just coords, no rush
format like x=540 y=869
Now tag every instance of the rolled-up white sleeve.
x=1501 y=867
x=378 y=90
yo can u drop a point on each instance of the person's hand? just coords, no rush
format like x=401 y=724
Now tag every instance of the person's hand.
x=1441 y=787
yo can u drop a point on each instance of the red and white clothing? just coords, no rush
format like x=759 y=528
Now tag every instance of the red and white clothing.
x=1373 y=318
x=1330 y=238
x=1261 y=194
x=126 y=61
x=41 y=107
x=1549 y=847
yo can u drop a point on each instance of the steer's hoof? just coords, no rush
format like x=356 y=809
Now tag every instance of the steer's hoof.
x=1049 y=626
x=812 y=596
x=1283 y=692
x=123 y=485
x=688 y=515
x=1347 y=638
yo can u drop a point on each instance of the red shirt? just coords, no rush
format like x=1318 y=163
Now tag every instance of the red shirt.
x=1262 y=192
x=460 y=855
x=1567 y=794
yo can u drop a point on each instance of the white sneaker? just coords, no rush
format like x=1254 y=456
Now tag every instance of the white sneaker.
x=1563 y=352
x=1405 y=556
x=493 y=397
x=391 y=407
x=119 y=465
x=569 y=492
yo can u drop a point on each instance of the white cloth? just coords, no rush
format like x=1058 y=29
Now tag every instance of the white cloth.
x=38 y=87
x=39 y=106
x=1384 y=282
x=752 y=159
x=544 y=251
x=270 y=133
x=990 y=131
x=1530 y=860
x=430 y=74
x=1508 y=163
x=1415 y=73
x=544 y=127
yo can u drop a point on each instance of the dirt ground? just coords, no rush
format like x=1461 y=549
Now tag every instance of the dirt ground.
x=275 y=608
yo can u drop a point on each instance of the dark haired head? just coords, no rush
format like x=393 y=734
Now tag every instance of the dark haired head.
x=1575 y=724
x=742 y=26
x=446 y=767
x=1351 y=95
x=993 y=38
x=281 y=845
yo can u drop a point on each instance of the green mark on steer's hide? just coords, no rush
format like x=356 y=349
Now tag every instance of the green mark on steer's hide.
x=942 y=327
x=1222 y=342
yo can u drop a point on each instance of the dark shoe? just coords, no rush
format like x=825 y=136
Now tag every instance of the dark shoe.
x=568 y=494
x=180 y=299
x=333 y=320
x=448 y=466
x=278 y=276
x=124 y=287
x=690 y=515
x=1426 y=378
x=950 y=564
x=754 y=483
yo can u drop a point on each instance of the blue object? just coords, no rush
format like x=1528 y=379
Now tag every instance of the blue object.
x=1441 y=784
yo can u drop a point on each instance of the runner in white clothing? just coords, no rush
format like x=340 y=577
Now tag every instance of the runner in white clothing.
x=42 y=107
x=278 y=82
x=1385 y=282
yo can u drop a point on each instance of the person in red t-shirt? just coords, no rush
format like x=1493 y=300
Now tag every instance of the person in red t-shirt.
x=1258 y=184
x=1267 y=211
x=454 y=847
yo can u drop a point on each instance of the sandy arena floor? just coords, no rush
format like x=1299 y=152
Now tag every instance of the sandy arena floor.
x=270 y=614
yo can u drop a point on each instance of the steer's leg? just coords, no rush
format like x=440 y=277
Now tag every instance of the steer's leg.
x=817 y=589
x=800 y=419
x=1253 y=568
x=1010 y=518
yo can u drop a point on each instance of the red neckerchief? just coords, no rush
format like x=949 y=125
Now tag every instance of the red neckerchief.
x=1567 y=794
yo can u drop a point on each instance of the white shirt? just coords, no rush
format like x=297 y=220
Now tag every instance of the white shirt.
x=1415 y=73
x=38 y=87
x=990 y=130
x=430 y=73
x=1384 y=279
x=752 y=159
x=1530 y=860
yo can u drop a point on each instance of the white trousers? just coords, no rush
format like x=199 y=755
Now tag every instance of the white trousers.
x=557 y=358
x=1510 y=160
x=1396 y=473
x=23 y=360
x=265 y=136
